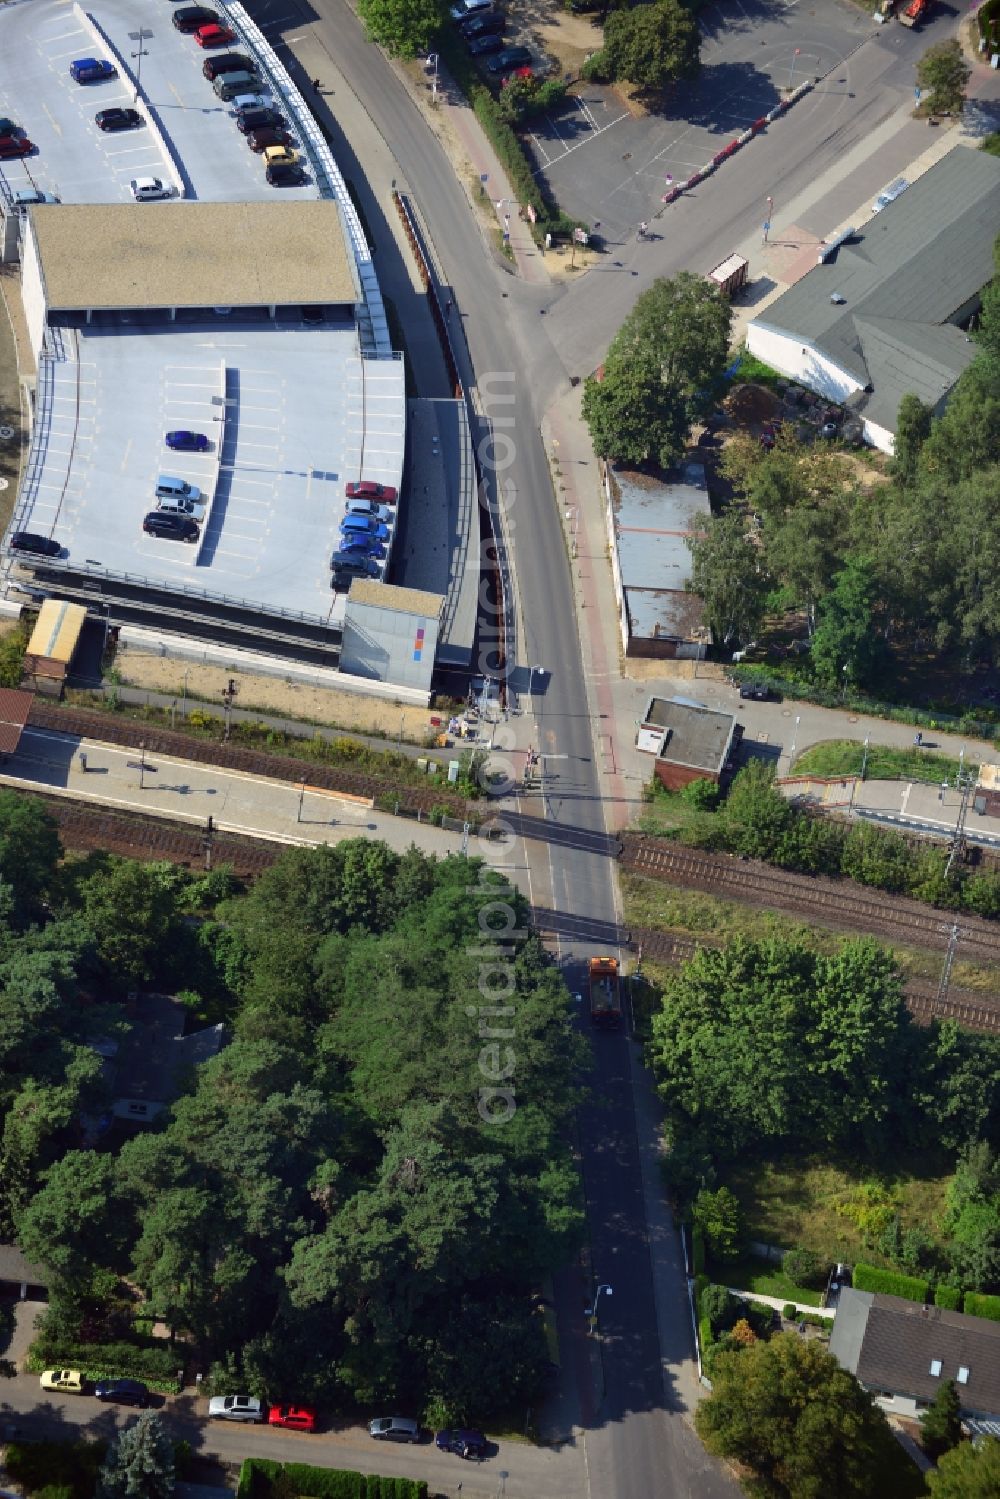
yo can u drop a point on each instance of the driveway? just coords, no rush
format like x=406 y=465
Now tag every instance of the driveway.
x=25 y=1315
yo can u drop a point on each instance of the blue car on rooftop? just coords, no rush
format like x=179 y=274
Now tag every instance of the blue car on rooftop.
x=188 y=442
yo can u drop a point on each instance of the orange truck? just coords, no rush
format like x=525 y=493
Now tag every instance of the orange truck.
x=915 y=12
x=605 y=993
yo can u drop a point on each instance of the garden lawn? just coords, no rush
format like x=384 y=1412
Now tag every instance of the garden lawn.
x=798 y=1203
x=763 y=1278
x=842 y=757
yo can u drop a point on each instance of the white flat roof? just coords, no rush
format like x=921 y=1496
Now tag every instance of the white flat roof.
x=291 y=435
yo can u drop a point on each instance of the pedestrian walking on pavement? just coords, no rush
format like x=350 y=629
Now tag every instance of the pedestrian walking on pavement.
x=447 y=308
x=317 y=86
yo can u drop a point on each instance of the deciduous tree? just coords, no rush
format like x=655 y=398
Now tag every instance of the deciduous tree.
x=729 y=575
x=801 y=1424
x=405 y=28
x=969 y=1471
x=944 y=71
x=651 y=45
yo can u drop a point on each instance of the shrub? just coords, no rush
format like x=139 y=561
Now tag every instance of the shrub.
x=802 y=1266
x=789 y=1311
x=701 y=794
x=892 y=1283
x=260 y=1479
x=705 y=1336
x=66 y=1468
x=977 y=1305
x=948 y=1297
x=720 y=1307
x=697 y=1250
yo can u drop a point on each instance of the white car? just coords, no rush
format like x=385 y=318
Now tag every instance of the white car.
x=146 y=189
x=384 y=513
x=468 y=8
x=236 y=1408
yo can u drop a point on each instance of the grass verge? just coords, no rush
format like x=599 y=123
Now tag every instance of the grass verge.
x=842 y=757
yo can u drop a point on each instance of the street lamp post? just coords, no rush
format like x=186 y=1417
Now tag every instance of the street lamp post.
x=590 y=1312
x=795 y=732
x=139 y=36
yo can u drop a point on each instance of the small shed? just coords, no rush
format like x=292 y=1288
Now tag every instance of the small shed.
x=52 y=645
x=19 y=1274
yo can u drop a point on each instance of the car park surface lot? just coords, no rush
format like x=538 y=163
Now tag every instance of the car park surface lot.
x=79 y=163
x=290 y=440
x=605 y=165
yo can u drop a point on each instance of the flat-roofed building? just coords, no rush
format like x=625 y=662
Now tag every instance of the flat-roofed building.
x=690 y=742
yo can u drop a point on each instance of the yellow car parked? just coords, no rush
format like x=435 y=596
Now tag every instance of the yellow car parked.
x=280 y=156
x=69 y=1381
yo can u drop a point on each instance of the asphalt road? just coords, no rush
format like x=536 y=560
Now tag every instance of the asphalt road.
x=531 y=1472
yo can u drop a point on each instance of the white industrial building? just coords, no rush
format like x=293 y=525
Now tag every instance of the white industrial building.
x=885 y=313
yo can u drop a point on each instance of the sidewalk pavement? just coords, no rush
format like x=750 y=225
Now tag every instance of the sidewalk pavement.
x=778 y=1303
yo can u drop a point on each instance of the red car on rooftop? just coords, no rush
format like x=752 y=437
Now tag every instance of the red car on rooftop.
x=214 y=36
x=294 y=1417
x=15 y=145
x=367 y=489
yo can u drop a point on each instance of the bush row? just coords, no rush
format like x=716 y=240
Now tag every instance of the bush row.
x=70 y=1467
x=258 y=1477
x=156 y=1366
x=891 y=1283
x=504 y=140
x=988 y=17
x=912 y=1288
x=758 y=823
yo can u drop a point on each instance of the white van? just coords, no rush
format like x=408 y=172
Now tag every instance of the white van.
x=890 y=194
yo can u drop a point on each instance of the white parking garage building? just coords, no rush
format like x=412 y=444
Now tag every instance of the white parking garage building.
x=235 y=320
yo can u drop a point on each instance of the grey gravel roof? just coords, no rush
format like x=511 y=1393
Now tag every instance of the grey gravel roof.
x=889 y=1344
x=904 y=277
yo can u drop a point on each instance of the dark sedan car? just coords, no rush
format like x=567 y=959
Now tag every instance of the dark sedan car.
x=362 y=547
x=193 y=17
x=267 y=136
x=285 y=174
x=756 y=692
x=118 y=119
x=226 y=62
x=481 y=46
x=187 y=442
x=489 y=25
x=170 y=527
x=15 y=145
x=508 y=59
x=30 y=541
x=464 y=1441
x=123 y=1392
x=249 y=120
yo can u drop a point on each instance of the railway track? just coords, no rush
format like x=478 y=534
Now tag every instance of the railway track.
x=973 y=1011
x=838 y=904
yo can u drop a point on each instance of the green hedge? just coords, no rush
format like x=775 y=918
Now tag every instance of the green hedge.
x=257 y=1475
x=697 y=1251
x=891 y=1283
x=948 y=1297
x=700 y=1282
x=705 y=1336
x=157 y=1366
x=982 y=1306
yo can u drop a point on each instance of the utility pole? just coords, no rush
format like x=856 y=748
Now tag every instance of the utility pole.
x=207 y=839
x=949 y=962
x=966 y=786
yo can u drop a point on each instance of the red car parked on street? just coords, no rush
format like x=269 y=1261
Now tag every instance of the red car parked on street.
x=294 y=1417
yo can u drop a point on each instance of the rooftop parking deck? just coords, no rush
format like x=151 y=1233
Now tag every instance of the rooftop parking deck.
x=80 y=163
x=286 y=436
